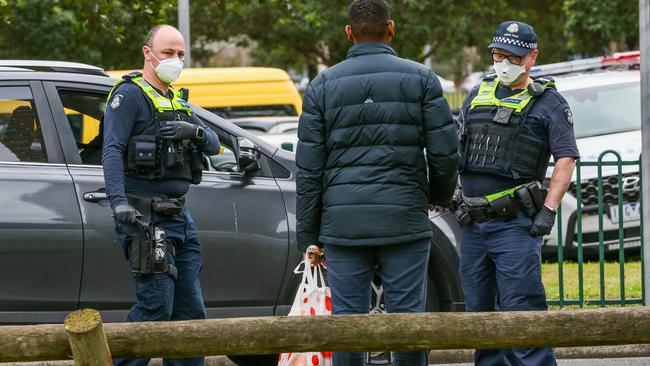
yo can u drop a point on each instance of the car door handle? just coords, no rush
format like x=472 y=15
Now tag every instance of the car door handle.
x=95 y=196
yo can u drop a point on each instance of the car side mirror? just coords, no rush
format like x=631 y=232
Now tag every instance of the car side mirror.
x=249 y=156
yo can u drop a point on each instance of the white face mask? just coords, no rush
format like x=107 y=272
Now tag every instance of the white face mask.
x=169 y=69
x=507 y=72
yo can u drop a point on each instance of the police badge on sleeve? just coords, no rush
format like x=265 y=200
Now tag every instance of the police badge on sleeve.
x=568 y=115
x=117 y=101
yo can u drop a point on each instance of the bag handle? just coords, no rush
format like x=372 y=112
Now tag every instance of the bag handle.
x=310 y=275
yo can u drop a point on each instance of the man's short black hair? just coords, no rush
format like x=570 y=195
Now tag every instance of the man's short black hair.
x=369 y=19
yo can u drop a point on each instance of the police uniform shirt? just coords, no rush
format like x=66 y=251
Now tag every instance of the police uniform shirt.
x=549 y=118
x=128 y=112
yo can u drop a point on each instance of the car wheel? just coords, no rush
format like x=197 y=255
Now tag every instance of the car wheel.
x=377 y=306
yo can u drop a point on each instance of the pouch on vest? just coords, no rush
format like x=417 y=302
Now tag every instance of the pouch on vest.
x=173 y=156
x=196 y=165
x=142 y=151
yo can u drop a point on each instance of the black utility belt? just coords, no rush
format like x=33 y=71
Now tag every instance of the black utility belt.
x=528 y=198
x=167 y=206
x=163 y=206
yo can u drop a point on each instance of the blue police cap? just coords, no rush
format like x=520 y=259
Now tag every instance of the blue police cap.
x=516 y=37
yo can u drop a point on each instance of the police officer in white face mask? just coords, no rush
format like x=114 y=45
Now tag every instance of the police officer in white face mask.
x=511 y=124
x=151 y=154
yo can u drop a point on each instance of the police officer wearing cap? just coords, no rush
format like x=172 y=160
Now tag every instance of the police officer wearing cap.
x=511 y=124
x=151 y=153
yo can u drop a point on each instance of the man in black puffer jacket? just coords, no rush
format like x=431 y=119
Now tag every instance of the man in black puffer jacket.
x=362 y=184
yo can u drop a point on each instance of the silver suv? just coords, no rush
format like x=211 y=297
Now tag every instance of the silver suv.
x=57 y=252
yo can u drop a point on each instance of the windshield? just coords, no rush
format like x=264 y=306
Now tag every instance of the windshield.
x=281 y=110
x=600 y=111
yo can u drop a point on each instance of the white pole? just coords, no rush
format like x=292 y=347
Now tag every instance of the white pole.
x=644 y=41
x=184 y=27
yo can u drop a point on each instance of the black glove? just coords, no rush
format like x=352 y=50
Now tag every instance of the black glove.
x=543 y=223
x=126 y=214
x=178 y=130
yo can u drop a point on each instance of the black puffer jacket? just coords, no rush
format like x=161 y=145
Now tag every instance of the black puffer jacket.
x=362 y=177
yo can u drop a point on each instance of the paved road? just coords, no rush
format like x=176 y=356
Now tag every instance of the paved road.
x=644 y=361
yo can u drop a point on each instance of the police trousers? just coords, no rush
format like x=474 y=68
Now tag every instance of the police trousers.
x=159 y=296
x=403 y=272
x=500 y=269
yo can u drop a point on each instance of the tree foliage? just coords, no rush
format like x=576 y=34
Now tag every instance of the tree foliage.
x=297 y=33
x=600 y=27
x=302 y=34
x=106 y=33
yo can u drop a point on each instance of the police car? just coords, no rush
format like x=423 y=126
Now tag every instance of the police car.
x=604 y=95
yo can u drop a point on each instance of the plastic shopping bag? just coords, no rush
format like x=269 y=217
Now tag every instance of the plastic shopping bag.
x=313 y=298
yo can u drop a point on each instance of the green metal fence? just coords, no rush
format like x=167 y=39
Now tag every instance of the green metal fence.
x=581 y=300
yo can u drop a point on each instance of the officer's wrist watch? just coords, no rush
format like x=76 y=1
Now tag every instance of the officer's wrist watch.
x=200 y=132
x=550 y=208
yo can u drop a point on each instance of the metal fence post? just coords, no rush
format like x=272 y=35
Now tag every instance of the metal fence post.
x=184 y=27
x=644 y=40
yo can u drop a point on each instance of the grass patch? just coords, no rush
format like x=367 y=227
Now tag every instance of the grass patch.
x=591 y=280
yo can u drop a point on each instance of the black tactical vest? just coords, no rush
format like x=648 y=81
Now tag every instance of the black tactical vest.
x=493 y=139
x=149 y=156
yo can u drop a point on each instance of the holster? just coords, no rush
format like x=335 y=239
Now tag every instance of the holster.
x=460 y=209
x=148 y=250
x=148 y=245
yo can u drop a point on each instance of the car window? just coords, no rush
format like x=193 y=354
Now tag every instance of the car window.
x=225 y=161
x=600 y=111
x=84 y=111
x=21 y=137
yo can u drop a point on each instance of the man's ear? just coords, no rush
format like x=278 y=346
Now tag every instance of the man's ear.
x=391 y=28
x=146 y=52
x=533 y=57
x=348 y=32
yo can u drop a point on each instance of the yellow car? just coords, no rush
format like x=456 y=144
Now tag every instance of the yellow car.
x=239 y=91
x=230 y=92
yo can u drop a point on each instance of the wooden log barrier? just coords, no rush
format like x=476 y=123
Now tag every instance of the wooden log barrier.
x=34 y=343
x=87 y=339
x=269 y=335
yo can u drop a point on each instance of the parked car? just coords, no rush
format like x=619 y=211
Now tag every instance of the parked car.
x=604 y=96
x=286 y=141
x=267 y=125
x=57 y=252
